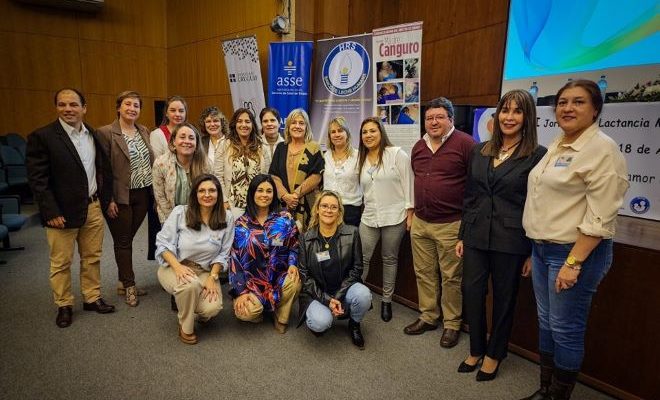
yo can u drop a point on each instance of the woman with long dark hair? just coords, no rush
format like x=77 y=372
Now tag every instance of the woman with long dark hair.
x=386 y=178
x=240 y=158
x=491 y=239
x=193 y=247
x=263 y=273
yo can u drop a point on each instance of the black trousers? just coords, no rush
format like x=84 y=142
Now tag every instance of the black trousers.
x=123 y=229
x=504 y=269
x=352 y=215
x=153 y=227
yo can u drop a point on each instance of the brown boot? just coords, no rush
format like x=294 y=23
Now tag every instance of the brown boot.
x=131 y=296
x=547 y=366
x=563 y=382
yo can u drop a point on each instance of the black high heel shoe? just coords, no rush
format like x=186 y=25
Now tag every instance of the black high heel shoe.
x=466 y=368
x=488 y=376
x=386 y=311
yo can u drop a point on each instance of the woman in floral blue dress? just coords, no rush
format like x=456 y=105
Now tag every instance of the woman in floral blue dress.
x=263 y=272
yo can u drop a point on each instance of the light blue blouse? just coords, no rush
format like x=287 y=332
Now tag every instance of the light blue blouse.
x=205 y=247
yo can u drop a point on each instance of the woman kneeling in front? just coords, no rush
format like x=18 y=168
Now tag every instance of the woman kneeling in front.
x=263 y=273
x=330 y=264
x=192 y=248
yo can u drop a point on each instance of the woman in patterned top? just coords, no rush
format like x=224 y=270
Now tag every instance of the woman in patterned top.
x=263 y=272
x=126 y=144
x=297 y=167
x=240 y=158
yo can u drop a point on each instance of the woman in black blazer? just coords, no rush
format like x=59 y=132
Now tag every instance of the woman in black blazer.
x=492 y=240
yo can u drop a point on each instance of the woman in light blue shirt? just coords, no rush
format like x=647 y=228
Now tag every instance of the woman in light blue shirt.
x=192 y=248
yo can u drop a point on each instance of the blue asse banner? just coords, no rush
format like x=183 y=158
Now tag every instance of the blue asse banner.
x=289 y=71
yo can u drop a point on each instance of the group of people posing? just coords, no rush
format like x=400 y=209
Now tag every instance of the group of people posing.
x=289 y=223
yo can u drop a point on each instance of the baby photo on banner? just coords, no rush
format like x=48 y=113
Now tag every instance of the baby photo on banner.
x=397 y=55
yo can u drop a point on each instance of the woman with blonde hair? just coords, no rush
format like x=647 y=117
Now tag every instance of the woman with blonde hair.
x=297 y=167
x=330 y=265
x=341 y=172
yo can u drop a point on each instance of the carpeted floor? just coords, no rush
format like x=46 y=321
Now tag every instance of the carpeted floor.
x=135 y=354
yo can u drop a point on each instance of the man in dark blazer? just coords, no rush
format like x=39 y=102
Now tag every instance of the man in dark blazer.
x=440 y=162
x=67 y=171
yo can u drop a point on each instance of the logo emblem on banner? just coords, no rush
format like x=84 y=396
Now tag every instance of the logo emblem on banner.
x=346 y=68
x=640 y=205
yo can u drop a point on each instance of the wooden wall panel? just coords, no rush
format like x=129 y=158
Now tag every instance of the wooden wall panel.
x=212 y=73
x=182 y=21
x=437 y=64
x=306 y=17
x=134 y=22
x=256 y=14
x=481 y=60
x=479 y=14
x=151 y=23
x=38 y=62
x=43 y=49
x=437 y=17
x=182 y=71
x=37 y=19
x=115 y=23
x=28 y=110
x=137 y=68
x=100 y=109
x=219 y=18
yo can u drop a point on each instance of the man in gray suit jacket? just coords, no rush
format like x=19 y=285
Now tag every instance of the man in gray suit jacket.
x=66 y=171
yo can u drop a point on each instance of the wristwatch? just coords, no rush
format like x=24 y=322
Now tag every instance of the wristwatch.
x=573 y=263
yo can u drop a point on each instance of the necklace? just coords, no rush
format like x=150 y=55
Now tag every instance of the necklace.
x=326 y=242
x=504 y=152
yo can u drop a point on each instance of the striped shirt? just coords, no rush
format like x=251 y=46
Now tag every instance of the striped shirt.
x=140 y=162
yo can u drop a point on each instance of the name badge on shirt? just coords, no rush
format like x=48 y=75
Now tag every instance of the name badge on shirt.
x=276 y=242
x=563 y=161
x=322 y=256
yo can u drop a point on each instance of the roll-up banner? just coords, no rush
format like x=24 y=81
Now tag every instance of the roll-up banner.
x=289 y=72
x=397 y=64
x=633 y=126
x=343 y=85
x=242 y=61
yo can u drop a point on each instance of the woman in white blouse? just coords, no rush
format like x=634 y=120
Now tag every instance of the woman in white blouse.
x=214 y=128
x=386 y=179
x=192 y=248
x=341 y=173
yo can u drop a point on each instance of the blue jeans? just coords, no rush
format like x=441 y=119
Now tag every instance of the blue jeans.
x=356 y=304
x=563 y=316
